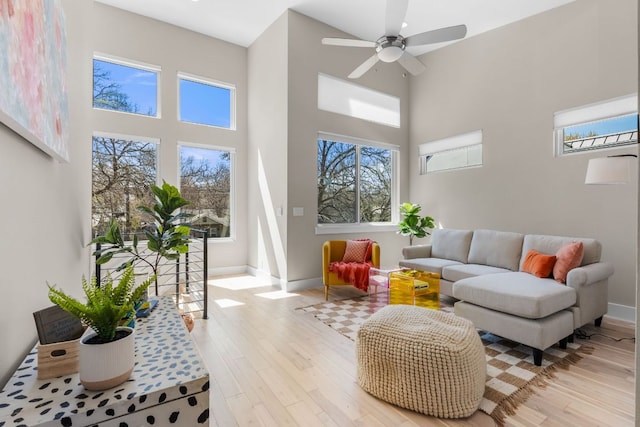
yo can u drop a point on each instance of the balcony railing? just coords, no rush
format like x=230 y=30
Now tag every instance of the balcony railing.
x=184 y=279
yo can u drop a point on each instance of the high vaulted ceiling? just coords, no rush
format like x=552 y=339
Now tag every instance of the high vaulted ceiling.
x=242 y=21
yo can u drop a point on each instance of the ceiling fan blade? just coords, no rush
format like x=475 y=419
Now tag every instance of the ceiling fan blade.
x=364 y=67
x=411 y=64
x=396 y=11
x=437 y=36
x=347 y=42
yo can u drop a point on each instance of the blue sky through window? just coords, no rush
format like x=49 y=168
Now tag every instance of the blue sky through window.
x=211 y=156
x=604 y=127
x=205 y=104
x=140 y=86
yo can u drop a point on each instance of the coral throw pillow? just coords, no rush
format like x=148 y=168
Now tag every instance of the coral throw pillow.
x=568 y=257
x=356 y=251
x=538 y=264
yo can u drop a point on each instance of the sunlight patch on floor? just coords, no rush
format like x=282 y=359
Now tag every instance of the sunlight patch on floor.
x=276 y=294
x=237 y=283
x=226 y=302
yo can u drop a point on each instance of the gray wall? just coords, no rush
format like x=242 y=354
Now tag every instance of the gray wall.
x=45 y=213
x=267 y=170
x=508 y=82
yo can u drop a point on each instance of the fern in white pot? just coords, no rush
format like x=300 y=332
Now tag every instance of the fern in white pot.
x=106 y=353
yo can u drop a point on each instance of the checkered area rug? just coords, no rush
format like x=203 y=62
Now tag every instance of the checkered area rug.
x=511 y=373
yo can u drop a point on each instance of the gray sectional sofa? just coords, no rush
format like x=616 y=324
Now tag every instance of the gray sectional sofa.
x=482 y=269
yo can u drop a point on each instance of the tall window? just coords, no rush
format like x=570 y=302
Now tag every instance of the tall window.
x=205 y=180
x=355 y=181
x=125 y=87
x=607 y=124
x=123 y=171
x=206 y=102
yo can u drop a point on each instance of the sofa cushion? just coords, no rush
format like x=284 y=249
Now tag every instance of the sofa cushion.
x=496 y=248
x=540 y=265
x=517 y=293
x=457 y=272
x=451 y=244
x=551 y=244
x=433 y=265
x=568 y=257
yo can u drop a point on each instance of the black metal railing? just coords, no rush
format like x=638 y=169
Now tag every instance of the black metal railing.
x=184 y=279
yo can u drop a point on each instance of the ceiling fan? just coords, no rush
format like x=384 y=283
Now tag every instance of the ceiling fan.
x=391 y=47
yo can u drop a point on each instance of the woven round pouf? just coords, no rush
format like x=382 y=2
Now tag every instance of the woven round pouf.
x=428 y=361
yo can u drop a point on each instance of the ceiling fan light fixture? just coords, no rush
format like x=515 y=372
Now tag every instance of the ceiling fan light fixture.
x=390 y=54
x=390 y=48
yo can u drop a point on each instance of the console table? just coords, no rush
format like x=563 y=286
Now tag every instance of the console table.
x=169 y=385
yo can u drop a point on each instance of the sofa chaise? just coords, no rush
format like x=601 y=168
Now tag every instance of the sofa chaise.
x=483 y=271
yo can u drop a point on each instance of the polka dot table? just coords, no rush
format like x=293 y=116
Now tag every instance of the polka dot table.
x=169 y=385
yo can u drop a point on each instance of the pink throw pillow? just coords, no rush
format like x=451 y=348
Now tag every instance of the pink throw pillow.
x=568 y=257
x=356 y=251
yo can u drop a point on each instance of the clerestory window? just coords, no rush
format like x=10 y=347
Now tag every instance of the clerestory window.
x=603 y=125
x=455 y=152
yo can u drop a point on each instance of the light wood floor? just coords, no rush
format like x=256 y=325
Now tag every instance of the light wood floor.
x=271 y=365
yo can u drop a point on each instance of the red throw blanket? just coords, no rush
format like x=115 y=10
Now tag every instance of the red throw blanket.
x=354 y=273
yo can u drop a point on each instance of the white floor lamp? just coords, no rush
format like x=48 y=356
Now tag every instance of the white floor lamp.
x=609 y=170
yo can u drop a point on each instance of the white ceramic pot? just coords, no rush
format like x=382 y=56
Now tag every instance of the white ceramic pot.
x=103 y=366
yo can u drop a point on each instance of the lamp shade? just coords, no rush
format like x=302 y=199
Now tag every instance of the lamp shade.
x=608 y=170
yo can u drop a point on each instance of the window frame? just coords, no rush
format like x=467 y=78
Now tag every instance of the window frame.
x=131 y=64
x=232 y=183
x=359 y=227
x=180 y=75
x=601 y=111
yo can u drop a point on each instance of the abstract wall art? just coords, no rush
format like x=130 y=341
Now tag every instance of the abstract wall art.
x=33 y=85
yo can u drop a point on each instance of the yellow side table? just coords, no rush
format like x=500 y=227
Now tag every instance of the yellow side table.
x=415 y=287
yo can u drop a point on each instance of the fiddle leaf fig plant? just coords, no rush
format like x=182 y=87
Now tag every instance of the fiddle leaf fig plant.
x=167 y=233
x=107 y=306
x=412 y=224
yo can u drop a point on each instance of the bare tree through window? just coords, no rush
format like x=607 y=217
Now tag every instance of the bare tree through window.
x=122 y=174
x=354 y=183
x=205 y=180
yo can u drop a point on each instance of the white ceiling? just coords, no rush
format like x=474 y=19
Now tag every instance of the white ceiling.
x=242 y=21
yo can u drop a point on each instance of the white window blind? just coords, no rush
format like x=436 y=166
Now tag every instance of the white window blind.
x=342 y=97
x=451 y=143
x=598 y=111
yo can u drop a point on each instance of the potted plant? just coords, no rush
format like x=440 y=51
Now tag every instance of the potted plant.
x=106 y=352
x=413 y=224
x=167 y=234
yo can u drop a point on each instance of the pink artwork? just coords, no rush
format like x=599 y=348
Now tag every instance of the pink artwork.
x=33 y=87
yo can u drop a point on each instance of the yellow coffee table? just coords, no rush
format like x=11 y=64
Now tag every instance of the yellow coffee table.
x=415 y=287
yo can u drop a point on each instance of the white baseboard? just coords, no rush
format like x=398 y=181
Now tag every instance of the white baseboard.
x=622 y=312
x=298 y=285
x=223 y=271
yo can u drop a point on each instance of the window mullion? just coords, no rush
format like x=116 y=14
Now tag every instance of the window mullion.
x=358 y=184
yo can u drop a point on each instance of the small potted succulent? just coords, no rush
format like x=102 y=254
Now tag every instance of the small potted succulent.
x=106 y=353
